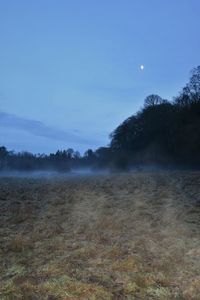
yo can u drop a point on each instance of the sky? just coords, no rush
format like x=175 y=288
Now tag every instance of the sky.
x=70 y=70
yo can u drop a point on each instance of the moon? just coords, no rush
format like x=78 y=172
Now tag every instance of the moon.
x=142 y=67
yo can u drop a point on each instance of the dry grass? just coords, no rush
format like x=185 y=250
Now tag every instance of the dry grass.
x=125 y=236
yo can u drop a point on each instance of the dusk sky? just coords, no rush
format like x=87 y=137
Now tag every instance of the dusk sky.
x=70 y=70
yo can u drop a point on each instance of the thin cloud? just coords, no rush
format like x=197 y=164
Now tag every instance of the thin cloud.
x=38 y=128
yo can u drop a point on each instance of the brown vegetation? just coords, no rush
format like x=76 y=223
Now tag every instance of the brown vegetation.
x=125 y=236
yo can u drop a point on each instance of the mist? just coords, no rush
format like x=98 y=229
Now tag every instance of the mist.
x=84 y=172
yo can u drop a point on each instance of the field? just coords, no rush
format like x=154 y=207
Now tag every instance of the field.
x=121 y=236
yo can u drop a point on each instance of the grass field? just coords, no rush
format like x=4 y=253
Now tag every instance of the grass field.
x=124 y=236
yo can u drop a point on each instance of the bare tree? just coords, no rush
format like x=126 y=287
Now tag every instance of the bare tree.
x=153 y=100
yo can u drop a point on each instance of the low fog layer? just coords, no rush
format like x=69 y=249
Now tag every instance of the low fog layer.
x=53 y=174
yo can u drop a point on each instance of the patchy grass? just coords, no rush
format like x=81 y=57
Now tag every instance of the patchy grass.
x=125 y=236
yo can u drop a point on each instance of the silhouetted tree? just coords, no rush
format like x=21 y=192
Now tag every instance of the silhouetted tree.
x=162 y=132
x=153 y=100
x=3 y=157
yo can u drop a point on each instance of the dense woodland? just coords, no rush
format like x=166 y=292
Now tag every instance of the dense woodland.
x=163 y=132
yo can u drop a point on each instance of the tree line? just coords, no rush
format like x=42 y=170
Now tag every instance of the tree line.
x=162 y=132
x=62 y=160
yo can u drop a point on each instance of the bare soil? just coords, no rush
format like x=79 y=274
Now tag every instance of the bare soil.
x=124 y=236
